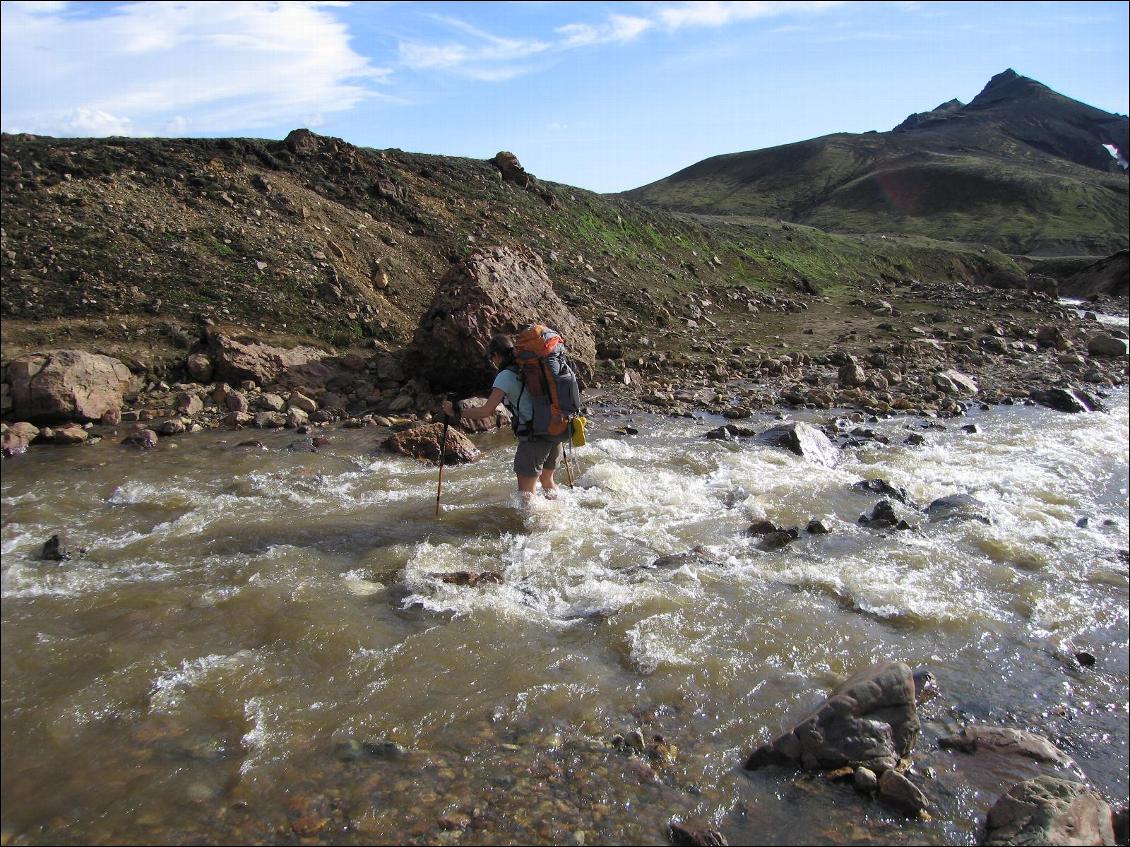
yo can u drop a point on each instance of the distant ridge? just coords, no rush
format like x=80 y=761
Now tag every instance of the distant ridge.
x=1021 y=167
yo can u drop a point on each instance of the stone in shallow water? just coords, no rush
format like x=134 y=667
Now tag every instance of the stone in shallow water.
x=1047 y=810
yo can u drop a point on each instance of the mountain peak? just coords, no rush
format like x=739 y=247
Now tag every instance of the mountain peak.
x=1007 y=85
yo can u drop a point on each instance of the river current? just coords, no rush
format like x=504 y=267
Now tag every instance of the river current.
x=257 y=644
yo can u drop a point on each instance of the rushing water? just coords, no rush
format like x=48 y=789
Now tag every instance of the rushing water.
x=245 y=621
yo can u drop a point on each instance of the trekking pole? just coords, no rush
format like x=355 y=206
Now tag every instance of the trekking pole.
x=443 y=453
x=568 y=468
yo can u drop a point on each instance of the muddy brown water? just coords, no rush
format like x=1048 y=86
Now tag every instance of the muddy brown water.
x=256 y=647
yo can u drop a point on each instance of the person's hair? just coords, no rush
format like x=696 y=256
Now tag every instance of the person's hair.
x=501 y=345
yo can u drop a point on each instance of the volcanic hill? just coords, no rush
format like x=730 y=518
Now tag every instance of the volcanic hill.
x=1021 y=167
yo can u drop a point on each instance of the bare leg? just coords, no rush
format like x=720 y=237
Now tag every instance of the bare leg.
x=547 y=483
x=526 y=486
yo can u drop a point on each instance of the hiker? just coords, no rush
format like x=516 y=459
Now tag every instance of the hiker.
x=538 y=452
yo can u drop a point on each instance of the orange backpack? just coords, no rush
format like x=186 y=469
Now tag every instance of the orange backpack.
x=540 y=361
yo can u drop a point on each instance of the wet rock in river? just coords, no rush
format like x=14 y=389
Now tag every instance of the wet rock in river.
x=898 y=791
x=883 y=488
x=1048 y=810
x=886 y=515
x=958 y=507
x=141 y=437
x=870 y=720
x=423 y=443
x=865 y=780
x=55 y=549
x=802 y=439
x=70 y=434
x=1004 y=741
x=17 y=437
x=470 y=578
x=686 y=836
x=1066 y=400
x=728 y=432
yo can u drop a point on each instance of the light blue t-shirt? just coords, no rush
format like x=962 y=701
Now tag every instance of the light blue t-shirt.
x=512 y=385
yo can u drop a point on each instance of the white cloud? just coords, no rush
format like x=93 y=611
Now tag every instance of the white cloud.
x=712 y=13
x=166 y=68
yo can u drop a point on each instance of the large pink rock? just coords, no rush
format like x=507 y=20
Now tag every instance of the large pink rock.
x=489 y=291
x=237 y=359
x=67 y=385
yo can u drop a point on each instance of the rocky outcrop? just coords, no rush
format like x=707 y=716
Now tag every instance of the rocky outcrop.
x=491 y=291
x=511 y=169
x=870 y=720
x=66 y=385
x=1109 y=276
x=423 y=443
x=244 y=358
x=1047 y=810
x=802 y=439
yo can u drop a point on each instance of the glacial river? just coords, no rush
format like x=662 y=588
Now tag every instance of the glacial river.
x=257 y=644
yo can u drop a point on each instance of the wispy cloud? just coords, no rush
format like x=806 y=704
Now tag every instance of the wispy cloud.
x=488 y=56
x=176 y=68
x=714 y=14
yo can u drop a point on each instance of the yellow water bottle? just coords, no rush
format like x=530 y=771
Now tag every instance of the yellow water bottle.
x=579 y=431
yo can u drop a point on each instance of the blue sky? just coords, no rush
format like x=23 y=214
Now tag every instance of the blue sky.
x=604 y=96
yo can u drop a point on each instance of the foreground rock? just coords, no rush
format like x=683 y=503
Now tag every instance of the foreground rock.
x=423 y=443
x=67 y=385
x=869 y=721
x=1047 y=810
x=487 y=292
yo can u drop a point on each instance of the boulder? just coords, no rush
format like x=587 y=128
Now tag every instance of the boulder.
x=301 y=401
x=1105 y=344
x=886 y=515
x=495 y=290
x=188 y=403
x=882 y=487
x=955 y=382
x=1049 y=810
x=958 y=507
x=17 y=438
x=199 y=367
x=500 y=419
x=423 y=443
x=65 y=385
x=802 y=439
x=869 y=721
x=511 y=169
x=246 y=358
x=141 y=437
x=1065 y=400
x=71 y=434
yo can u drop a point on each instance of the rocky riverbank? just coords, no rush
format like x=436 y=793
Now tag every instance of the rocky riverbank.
x=917 y=349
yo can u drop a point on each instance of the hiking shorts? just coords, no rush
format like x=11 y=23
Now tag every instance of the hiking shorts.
x=535 y=455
